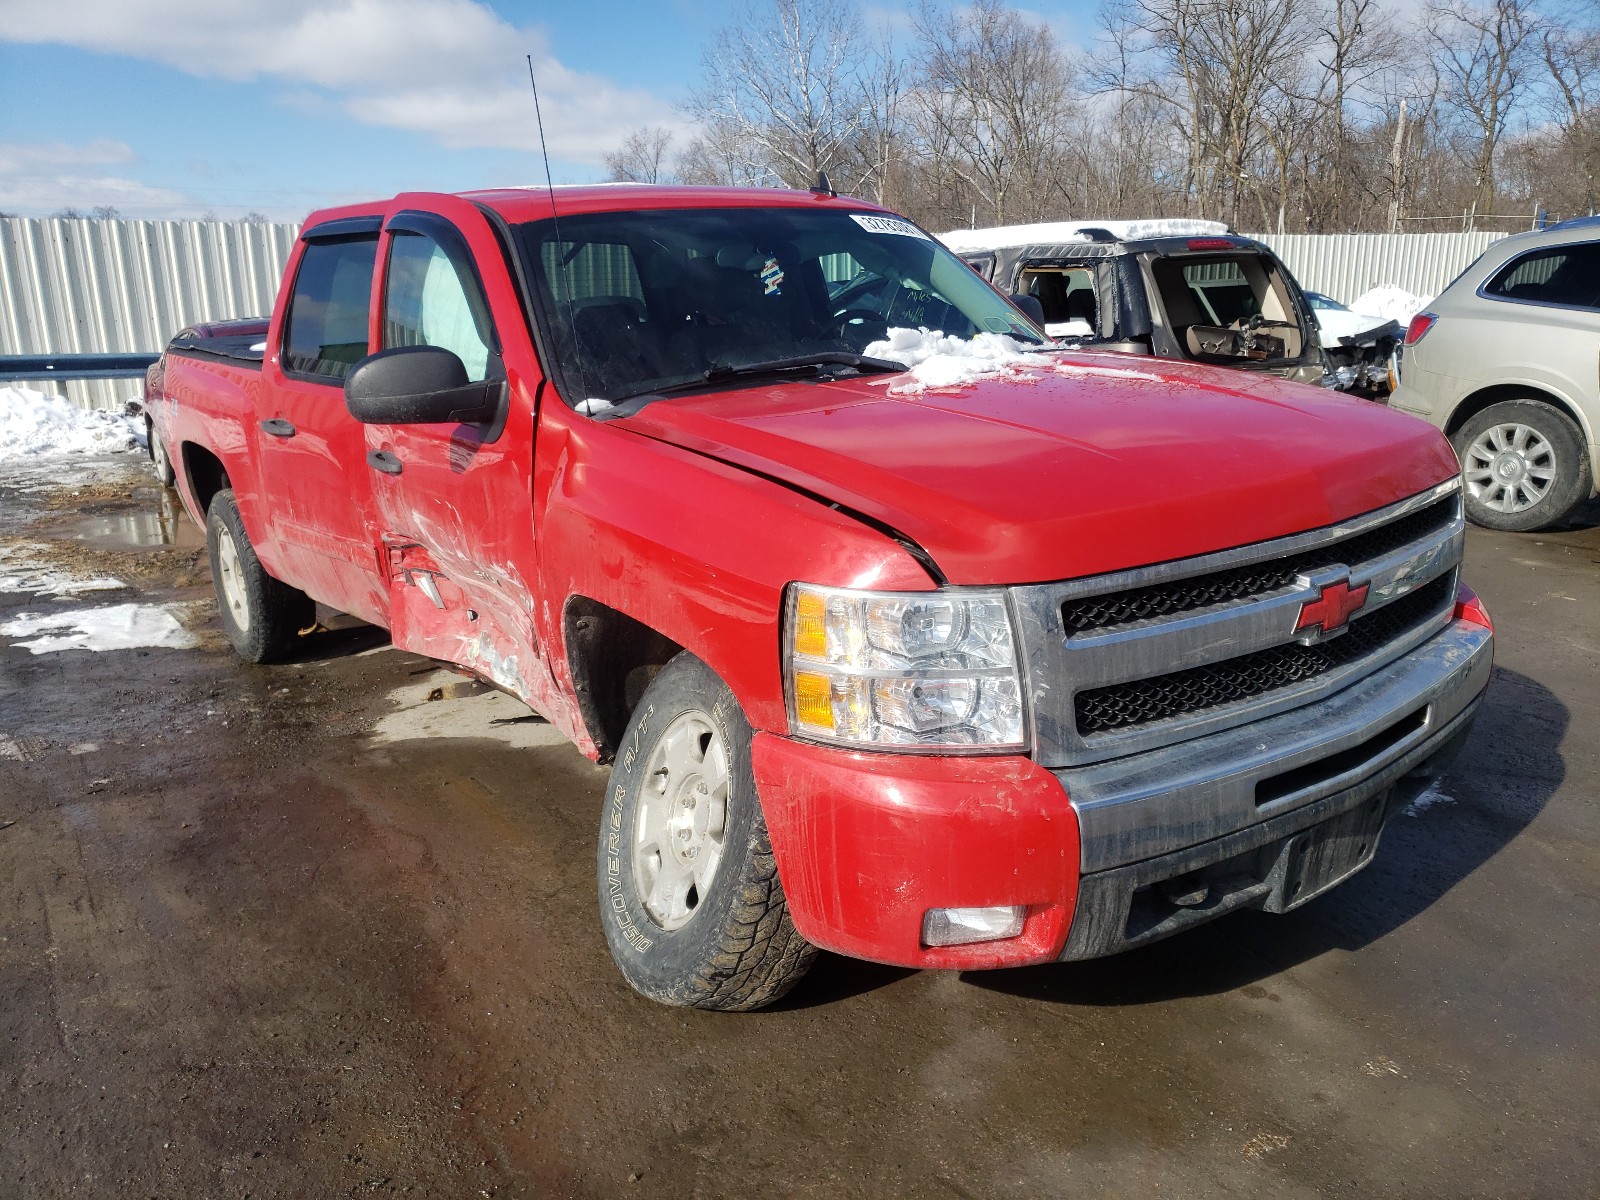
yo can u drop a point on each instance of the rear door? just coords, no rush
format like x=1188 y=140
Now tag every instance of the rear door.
x=312 y=452
x=1555 y=291
x=453 y=506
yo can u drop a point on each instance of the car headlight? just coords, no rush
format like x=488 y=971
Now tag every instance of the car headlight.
x=928 y=670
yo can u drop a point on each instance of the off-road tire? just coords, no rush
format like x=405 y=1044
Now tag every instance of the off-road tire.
x=738 y=949
x=158 y=455
x=262 y=616
x=1568 y=462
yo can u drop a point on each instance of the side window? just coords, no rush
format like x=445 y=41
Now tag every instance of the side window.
x=327 y=321
x=1568 y=275
x=429 y=301
x=983 y=264
x=1067 y=296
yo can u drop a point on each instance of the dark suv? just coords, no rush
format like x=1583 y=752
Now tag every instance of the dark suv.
x=1178 y=289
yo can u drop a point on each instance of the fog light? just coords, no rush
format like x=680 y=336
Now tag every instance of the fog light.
x=959 y=926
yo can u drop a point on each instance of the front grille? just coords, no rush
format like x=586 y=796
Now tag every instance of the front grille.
x=1193 y=691
x=1241 y=583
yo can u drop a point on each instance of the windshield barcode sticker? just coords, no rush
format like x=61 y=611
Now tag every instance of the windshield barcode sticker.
x=876 y=224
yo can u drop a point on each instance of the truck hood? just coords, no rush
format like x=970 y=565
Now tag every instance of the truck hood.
x=1093 y=464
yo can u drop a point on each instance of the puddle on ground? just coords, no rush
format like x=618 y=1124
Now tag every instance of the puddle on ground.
x=443 y=704
x=165 y=524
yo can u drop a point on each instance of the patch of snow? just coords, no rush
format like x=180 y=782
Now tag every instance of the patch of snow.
x=37 y=423
x=1427 y=800
x=116 y=627
x=1389 y=303
x=594 y=405
x=1061 y=329
x=1054 y=233
x=939 y=360
x=21 y=570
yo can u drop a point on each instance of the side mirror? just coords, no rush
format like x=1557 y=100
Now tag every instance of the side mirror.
x=419 y=385
x=1031 y=307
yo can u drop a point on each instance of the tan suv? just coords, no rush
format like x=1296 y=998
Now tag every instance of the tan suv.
x=1507 y=362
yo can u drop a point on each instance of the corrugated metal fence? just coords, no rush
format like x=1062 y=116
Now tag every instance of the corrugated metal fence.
x=75 y=286
x=1344 y=265
x=82 y=286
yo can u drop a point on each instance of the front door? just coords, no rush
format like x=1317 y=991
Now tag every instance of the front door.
x=453 y=503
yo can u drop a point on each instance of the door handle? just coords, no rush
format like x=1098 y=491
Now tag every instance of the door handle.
x=382 y=460
x=278 y=427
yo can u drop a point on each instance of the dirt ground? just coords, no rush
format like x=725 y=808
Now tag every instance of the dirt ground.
x=328 y=928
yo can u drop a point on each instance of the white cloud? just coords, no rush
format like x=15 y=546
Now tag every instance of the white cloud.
x=43 y=177
x=451 y=69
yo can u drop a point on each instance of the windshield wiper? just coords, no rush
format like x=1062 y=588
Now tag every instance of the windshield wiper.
x=830 y=358
x=775 y=366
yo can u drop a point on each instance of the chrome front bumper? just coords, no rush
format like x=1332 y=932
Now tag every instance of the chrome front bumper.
x=1269 y=814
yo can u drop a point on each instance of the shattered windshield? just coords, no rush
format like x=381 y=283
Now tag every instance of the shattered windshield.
x=631 y=303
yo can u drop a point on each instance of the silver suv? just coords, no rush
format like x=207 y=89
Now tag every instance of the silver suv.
x=1507 y=362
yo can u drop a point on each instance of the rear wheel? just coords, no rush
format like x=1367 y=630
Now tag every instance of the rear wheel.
x=691 y=903
x=262 y=616
x=1524 y=464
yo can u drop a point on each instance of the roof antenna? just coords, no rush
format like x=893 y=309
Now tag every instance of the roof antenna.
x=555 y=221
x=822 y=187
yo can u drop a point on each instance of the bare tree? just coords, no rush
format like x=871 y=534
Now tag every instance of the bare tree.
x=720 y=156
x=1571 y=54
x=785 y=86
x=1356 y=43
x=996 y=97
x=1483 y=52
x=255 y=218
x=642 y=157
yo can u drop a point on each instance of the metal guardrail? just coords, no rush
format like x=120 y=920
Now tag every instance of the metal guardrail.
x=18 y=368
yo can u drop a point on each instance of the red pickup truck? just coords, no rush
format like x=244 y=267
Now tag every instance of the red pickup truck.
x=1034 y=662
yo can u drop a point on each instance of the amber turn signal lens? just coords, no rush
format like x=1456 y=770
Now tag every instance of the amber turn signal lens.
x=810 y=625
x=813 y=701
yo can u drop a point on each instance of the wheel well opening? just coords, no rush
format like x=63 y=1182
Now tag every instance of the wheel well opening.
x=205 y=473
x=613 y=658
x=1478 y=401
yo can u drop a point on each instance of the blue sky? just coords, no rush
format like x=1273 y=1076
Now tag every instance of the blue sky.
x=167 y=108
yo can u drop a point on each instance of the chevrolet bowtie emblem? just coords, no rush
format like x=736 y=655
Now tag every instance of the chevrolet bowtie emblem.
x=1331 y=611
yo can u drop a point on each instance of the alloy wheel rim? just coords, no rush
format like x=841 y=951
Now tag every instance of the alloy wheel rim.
x=1509 y=468
x=231 y=569
x=683 y=814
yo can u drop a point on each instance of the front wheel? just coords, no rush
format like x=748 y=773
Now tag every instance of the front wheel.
x=691 y=903
x=1524 y=464
x=261 y=615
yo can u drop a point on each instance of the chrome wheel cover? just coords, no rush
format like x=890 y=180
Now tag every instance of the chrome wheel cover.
x=1509 y=468
x=683 y=813
x=230 y=572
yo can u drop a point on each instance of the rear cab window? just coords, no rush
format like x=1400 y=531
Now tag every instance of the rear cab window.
x=1233 y=309
x=325 y=333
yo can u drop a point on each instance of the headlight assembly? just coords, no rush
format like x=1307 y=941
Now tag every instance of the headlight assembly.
x=928 y=670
